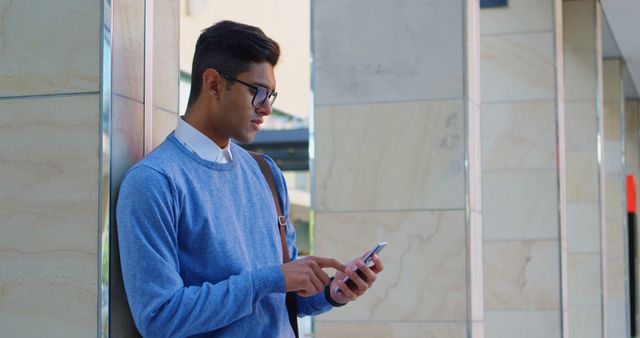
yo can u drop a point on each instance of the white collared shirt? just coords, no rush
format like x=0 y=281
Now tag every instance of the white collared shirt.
x=200 y=144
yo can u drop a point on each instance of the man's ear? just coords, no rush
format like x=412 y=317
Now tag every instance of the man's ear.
x=212 y=82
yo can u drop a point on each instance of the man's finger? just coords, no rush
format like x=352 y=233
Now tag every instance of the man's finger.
x=377 y=264
x=330 y=263
x=316 y=283
x=324 y=278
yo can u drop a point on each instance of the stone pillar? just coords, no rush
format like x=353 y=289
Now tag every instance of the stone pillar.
x=632 y=164
x=50 y=183
x=145 y=75
x=585 y=178
x=523 y=170
x=617 y=280
x=72 y=113
x=396 y=119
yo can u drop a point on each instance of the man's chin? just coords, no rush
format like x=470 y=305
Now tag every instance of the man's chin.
x=245 y=139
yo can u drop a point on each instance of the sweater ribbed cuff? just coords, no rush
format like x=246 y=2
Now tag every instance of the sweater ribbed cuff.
x=327 y=296
x=269 y=279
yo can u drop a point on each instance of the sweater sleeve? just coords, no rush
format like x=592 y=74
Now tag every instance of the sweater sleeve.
x=307 y=306
x=161 y=305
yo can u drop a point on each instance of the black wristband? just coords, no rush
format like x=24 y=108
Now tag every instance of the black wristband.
x=327 y=296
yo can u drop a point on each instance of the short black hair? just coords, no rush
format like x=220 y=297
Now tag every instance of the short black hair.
x=230 y=48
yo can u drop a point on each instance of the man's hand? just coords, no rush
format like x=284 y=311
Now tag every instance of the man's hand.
x=363 y=281
x=305 y=275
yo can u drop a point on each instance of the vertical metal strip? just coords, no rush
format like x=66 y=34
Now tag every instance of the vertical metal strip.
x=104 y=185
x=601 y=172
x=473 y=172
x=561 y=164
x=148 y=76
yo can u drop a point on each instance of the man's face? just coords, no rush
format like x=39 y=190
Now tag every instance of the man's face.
x=239 y=118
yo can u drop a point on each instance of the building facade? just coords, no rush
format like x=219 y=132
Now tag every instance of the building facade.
x=490 y=147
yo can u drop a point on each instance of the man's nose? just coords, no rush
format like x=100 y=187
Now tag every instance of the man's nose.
x=265 y=109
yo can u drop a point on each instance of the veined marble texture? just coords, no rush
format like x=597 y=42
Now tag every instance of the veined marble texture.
x=613 y=94
x=164 y=122
x=49 y=162
x=581 y=53
x=632 y=141
x=519 y=135
x=391 y=330
x=613 y=157
x=581 y=126
x=522 y=275
x=523 y=324
x=127 y=136
x=390 y=156
x=520 y=204
x=523 y=16
x=128 y=49
x=425 y=264
x=405 y=65
x=585 y=279
x=583 y=227
x=585 y=321
x=582 y=177
x=32 y=62
x=166 y=55
x=518 y=67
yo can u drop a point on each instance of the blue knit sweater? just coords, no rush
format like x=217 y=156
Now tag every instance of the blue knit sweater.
x=200 y=249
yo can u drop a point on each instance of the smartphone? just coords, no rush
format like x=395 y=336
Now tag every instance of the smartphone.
x=366 y=260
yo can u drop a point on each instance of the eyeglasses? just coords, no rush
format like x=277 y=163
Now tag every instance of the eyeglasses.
x=261 y=94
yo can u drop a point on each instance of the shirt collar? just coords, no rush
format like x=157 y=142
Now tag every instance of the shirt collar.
x=200 y=144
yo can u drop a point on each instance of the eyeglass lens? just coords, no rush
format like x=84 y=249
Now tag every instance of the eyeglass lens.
x=262 y=94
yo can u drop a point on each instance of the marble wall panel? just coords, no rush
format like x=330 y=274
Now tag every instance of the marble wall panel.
x=49 y=164
x=581 y=126
x=523 y=324
x=522 y=275
x=582 y=177
x=617 y=317
x=583 y=227
x=580 y=50
x=585 y=283
x=612 y=83
x=164 y=122
x=128 y=49
x=403 y=66
x=127 y=136
x=166 y=56
x=520 y=204
x=519 y=135
x=518 y=67
x=392 y=330
x=426 y=254
x=31 y=58
x=521 y=16
x=613 y=157
x=390 y=156
x=585 y=321
x=631 y=139
x=126 y=149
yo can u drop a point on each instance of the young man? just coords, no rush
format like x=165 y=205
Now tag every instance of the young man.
x=200 y=249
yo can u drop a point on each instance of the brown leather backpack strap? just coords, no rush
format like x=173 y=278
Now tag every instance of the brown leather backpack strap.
x=282 y=223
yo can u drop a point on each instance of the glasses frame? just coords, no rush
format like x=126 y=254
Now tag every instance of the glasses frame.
x=270 y=97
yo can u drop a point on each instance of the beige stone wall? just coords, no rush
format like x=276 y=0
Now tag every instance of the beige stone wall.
x=392 y=121
x=49 y=167
x=616 y=215
x=523 y=169
x=583 y=116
